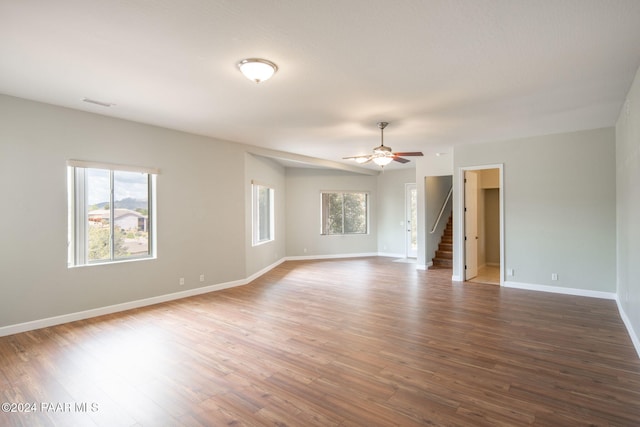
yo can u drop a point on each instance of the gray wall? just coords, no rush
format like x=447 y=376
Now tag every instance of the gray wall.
x=303 y=213
x=559 y=200
x=387 y=212
x=391 y=211
x=200 y=199
x=628 y=208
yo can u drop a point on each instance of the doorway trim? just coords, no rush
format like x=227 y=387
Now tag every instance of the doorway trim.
x=458 y=237
x=408 y=187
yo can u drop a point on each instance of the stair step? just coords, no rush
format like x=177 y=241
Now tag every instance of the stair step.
x=437 y=262
x=445 y=246
x=444 y=254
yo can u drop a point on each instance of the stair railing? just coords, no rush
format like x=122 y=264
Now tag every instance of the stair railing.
x=435 y=225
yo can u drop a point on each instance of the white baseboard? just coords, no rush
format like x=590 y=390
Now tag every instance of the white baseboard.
x=86 y=314
x=627 y=323
x=391 y=255
x=424 y=266
x=455 y=278
x=254 y=276
x=561 y=290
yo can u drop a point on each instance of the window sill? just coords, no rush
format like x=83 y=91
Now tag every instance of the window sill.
x=262 y=243
x=120 y=261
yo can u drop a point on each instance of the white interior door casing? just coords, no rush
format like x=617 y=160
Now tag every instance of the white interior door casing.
x=411 y=213
x=471 y=224
x=459 y=249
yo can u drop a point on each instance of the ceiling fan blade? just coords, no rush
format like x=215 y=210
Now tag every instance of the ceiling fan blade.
x=360 y=159
x=408 y=154
x=401 y=160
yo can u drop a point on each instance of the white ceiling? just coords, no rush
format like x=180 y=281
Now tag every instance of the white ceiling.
x=442 y=72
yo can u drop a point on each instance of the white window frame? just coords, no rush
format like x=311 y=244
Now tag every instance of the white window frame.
x=256 y=214
x=323 y=219
x=78 y=235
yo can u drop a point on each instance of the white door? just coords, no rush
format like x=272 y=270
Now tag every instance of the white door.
x=411 y=197
x=471 y=224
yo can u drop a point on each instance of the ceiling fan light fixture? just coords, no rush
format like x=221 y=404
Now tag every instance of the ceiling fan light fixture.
x=257 y=70
x=382 y=160
x=382 y=150
x=383 y=155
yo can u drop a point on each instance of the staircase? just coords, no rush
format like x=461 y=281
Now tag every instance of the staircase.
x=444 y=254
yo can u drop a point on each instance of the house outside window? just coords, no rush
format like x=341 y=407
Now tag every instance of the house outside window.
x=344 y=213
x=263 y=223
x=111 y=213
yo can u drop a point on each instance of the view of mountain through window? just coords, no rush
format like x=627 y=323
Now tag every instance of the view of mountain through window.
x=111 y=216
x=129 y=215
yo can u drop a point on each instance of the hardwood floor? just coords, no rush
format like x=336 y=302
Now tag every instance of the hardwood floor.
x=355 y=342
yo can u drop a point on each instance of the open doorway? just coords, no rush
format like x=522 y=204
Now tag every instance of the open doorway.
x=482 y=228
x=439 y=221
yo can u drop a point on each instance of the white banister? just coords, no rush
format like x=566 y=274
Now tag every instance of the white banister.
x=435 y=225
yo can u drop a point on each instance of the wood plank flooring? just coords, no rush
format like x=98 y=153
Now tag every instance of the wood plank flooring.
x=351 y=342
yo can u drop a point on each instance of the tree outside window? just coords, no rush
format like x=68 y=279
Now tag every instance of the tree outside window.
x=110 y=214
x=344 y=213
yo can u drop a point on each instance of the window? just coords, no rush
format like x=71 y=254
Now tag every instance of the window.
x=111 y=214
x=345 y=213
x=262 y=214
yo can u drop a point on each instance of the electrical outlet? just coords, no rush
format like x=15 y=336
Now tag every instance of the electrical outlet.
x=509 y=271
x=554 y=276
x=182 y=281
x=202 y=277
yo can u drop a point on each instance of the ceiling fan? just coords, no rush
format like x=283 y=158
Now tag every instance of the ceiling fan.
x=383 y=155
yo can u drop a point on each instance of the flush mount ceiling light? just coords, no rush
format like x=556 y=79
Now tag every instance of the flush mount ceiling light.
x=257 y=70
